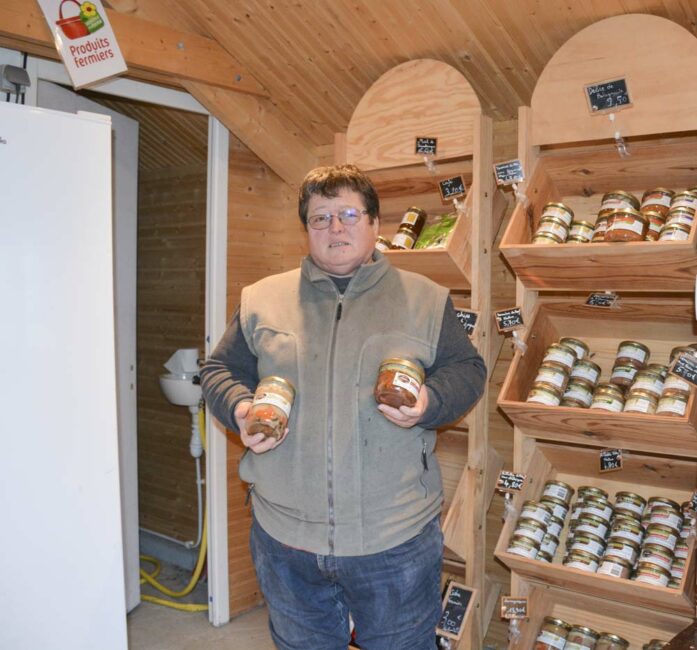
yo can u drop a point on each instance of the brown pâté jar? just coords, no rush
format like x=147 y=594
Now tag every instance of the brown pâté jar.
x=676 y=232
x=650 y=381
x=656 y=223
x=553 y=227
x=680 y=215
x=626 y=225
x=414 y=218
x=623 y=375
x=581 y=638
x=552 y=635
x=587 y=372
x=608 y=397
x=640 y=401
x=674 y=405
x=552 y=375
x=577 y=395
x=686 y=199
x=382 y=243
x=657 y=200
x=399 y=382
x=632 y=353
x=600 y=227
x=270 y=409
x=609 y=641
x=577 y=345
x=560 y=355
x=619 y=199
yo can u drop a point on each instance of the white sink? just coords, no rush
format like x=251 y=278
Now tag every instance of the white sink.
x=180 y=389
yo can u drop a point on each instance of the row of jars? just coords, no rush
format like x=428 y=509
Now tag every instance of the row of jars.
x=644 y=541
x=410 y=228
x=568 y=377
x=556 y=634
x=660 y=215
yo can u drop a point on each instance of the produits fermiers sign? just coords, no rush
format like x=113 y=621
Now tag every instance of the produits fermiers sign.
x=84 y=39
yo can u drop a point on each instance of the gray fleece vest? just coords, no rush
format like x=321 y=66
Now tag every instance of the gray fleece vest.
x=345 y=481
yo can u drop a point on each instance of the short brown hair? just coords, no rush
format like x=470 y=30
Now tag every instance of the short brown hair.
x=329 y=181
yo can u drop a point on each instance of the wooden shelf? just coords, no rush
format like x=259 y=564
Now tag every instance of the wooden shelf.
x=648 y=476
x=660 y=323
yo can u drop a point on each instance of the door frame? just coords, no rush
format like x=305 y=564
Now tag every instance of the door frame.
x=216 y=296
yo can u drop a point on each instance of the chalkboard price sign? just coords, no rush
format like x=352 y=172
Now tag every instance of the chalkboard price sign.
x=514 y=608
x=685 y=366
x=452 y=188
x=608 y=96
x=455 y=613
x=509 y=172
x=426 y=146
x=510 y=482
x=605 y=300
x=508 y=320
x=610 y=460
x=468 y=319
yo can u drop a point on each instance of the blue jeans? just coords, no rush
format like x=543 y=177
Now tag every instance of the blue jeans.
x=393 y=596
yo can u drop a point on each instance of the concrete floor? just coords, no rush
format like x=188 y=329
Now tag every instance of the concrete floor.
x=154 y=627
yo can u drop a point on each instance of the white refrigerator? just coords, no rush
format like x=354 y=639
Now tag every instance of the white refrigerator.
x=61 y=550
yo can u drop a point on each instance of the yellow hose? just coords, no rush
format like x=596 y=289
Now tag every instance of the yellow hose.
x=150 y=577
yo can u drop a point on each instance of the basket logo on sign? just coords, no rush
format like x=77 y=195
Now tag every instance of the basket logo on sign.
x=86 y=22
x=509 y=172
x=468 y=319
x=607 y=96
x=426 y=146
x=610 y=460
x=452 y=188
x=685 y=366
x=508 y=320
x=514 y=608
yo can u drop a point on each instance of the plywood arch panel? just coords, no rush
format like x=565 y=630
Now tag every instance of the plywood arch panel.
x=423 y=97
x=657 y=57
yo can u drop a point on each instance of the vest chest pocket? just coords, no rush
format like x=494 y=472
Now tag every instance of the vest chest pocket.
x=277 y=352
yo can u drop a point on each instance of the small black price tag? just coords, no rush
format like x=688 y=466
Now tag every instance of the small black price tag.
x=610 y=460
x=452 y=188
x=607 y=96
x=468 y=319
x=426 y=146
x=685 y=366
x=509 y=172
x=605 y=300
x=508 y=320
x=456 y=606
x=514 y=608
x=510 y=482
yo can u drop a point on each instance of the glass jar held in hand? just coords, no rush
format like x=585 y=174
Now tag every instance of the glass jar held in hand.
x=270 y=410
x=399 y=382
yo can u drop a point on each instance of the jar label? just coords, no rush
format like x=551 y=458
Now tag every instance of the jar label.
x=403 y=239
x=558 y=510
x=581 y=230
x=632 y=224
x=626 y=504
x=669 y=405
x=665 y=540
x=536 y=534
x=550 y=547
x=554 y=211
x=551 y=377
x=580 y=395
x=608 y=404
x=625 y=552
x=680 y=217
x=667 y=519
x=408 y=383
x=554 y=529
x=674 y=235
x=584 y=566
x=565 y=358
x=632 y=352
x=529 y=552
x=556 y=491
x=543 y=397
x=410 y=217
x=274 y=400
x=624 y=372
x=685 y=202
x=659 y=198
x=655 y=558
x=537 y=514
x=627 y=534
x=609 y=568
x=552 y=640
x=553 y=229
x=652 y=579
x=603 y=513
x=585 y=372
x=382 y=246
x=638 y=404
x=594 y=548
x=655 y=386
x=598 y=529
x=673 y=382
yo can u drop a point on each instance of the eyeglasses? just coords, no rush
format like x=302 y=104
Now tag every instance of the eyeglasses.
x=347 y=216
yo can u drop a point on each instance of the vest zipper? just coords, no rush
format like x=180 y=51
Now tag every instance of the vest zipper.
x=330 y=428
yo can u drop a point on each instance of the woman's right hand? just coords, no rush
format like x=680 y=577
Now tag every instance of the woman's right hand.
x=256 y=442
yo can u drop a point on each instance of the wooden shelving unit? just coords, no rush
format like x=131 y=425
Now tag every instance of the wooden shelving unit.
x=427 y=98
x=569 y=155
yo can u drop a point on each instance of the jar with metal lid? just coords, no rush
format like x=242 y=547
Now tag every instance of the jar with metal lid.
x=667 y=517
x=558 y=490
x=650 y=381
x=626 y=528
x=543 y=556
x=582 y=231
x=626 y=225
x=415 y=219
x=608 y=641
x=658 y=368
x=681 y=550
x=677 y=570
x=657 y=200
x=660 y=501
x=581 y=560
x=630 y=503
x=560 y=355
x=543 y=394
x=558 y=211
x=608 y=397
x=640 y=401
x=682 y=349
x=655 y=644
x=588 y=543
x=270 y=409
x=680 y=215
x=673 y=405
x=676 y=232
x=619 y=199
x=674 y=384
x=586 y=371
x=577 y=395
x=559 y=507
x=599 y=507
x=600 y=228
x=523 y=546
x=686 y=199
x=552 y=634
x=552 y=375
x=530 y=528
x=581 y=638
x=614 y=567
x=549 y=544
x=658 y=555
x=404 y=239
x=651 y=574
x=592 y=491
x=382 y=243
x=546 y=238
x=593 y=525
x=622 y=548
x=536 y=510
x=553 y=226
x=577 y=509
x=577 y=345
x=555 y=526
x=399 y=382
x=632 y=353
x=656 y=223
x=623 y=375
x=661 y=535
